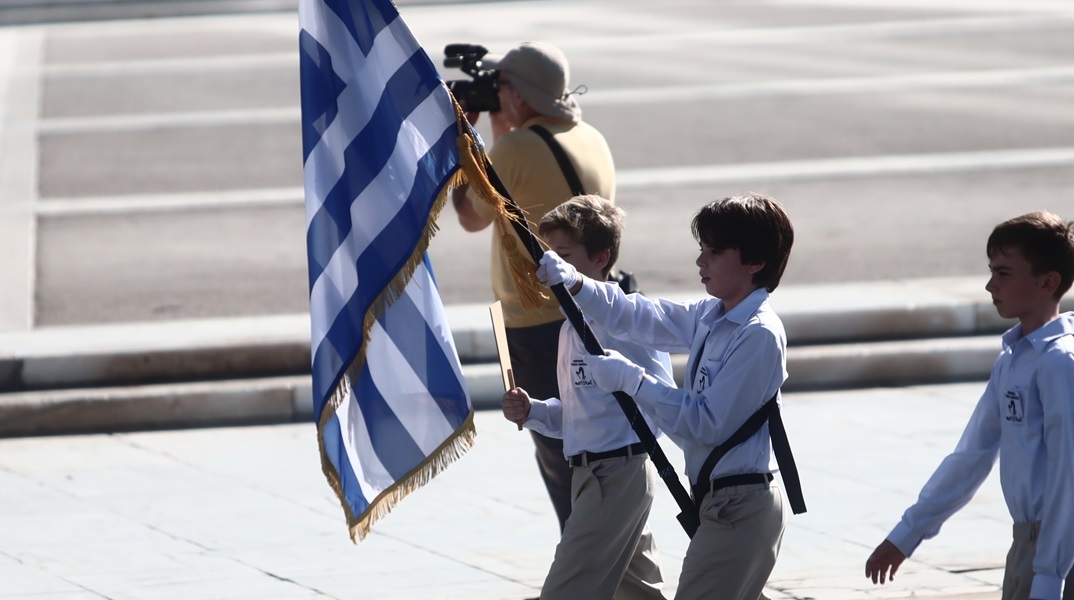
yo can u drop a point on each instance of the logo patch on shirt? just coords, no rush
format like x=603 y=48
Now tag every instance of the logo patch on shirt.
x=702 y=380
x=580 y=374
x=1015 y=407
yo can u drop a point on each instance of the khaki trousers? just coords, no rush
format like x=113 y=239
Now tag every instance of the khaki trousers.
x=735 y=548
x=1018 y=574
x=606 y=550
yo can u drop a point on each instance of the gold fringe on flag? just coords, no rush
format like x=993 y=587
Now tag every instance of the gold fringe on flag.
x=450 y=450
x=471 y=171
x=446 y=453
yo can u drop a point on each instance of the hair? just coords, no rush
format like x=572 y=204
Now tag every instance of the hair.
x=1043 y=239
x=754 y=224
x=591 y=220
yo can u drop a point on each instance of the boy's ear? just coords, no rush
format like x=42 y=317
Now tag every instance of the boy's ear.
x=754 y=268
x=602 y=258
x=1050 y=282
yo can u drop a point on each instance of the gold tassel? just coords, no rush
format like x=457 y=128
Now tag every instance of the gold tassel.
x=523 y=270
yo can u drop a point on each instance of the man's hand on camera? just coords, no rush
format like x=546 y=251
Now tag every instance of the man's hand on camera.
x=472 y=118
x=554 y=269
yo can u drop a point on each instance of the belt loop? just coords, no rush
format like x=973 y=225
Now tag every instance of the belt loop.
x=585 y=459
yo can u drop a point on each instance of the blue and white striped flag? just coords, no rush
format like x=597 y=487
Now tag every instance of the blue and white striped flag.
x=380 y=133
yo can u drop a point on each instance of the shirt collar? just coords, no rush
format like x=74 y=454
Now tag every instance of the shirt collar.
x=741 y=313
x=1058 y=327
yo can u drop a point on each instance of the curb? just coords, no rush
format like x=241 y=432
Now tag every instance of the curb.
x=287 y=399
x=176 y=351
x=166 y=406
x=255 y=370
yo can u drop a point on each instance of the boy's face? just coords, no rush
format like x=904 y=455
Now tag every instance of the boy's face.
x=1016 y=292
x=724 y=276
x=572 y=251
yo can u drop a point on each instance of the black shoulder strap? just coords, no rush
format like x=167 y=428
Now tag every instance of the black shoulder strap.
x=561 y=157
x=744 y=432
x=787 y=469
x=780 y=446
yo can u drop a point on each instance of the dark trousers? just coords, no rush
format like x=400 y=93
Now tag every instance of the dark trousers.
x=534 y=353
x=1018 y=575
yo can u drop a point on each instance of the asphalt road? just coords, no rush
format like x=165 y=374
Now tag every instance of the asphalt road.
x=151 y=169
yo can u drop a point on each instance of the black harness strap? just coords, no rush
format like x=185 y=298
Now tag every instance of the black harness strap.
x=780 y=445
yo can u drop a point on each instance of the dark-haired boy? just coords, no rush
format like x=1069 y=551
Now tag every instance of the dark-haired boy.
x=737 y=362
x=1025 y=416
x=606 y=550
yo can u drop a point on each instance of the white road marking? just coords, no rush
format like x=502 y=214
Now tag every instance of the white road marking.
x=21 y=51
x=832 y=168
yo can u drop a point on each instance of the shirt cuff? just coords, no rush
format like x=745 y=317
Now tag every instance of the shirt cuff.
x=650 y=391
x=588 y=292
x=538 y=415
x=538 y=420
x=904 y=538
x=1045 y=587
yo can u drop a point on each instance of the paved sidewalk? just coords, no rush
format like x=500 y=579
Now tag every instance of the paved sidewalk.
x=246 y=513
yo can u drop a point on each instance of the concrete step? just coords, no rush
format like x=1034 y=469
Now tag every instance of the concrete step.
x=159 y=406
x=176 y=351
x=256 y=369
x=262 y=400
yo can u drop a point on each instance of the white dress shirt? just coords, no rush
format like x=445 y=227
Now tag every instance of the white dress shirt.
x=587 y=418
x=1026 y=417
x=737 y=362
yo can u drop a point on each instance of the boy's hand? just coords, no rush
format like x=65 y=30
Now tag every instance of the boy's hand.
x=885 y=557
x=516 y=406
x=555 y=270
x=614 y=373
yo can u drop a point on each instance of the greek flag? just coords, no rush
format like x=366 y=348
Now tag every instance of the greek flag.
x=380 y=136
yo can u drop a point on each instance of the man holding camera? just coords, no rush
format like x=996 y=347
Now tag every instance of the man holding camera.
x=531 y=86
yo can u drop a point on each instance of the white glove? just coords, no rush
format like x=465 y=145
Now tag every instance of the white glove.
x=555 y=270
x=614 y=373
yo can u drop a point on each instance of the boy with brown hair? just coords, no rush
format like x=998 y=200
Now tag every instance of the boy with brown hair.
x=606 y=549
x=737 y=364
x=1025 y=417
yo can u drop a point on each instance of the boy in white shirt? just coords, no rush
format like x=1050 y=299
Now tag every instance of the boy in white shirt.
x=606 y=549
x=737 y=363
x=1025 y=416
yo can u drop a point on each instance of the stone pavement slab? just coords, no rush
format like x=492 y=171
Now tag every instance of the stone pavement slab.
x=246 y=513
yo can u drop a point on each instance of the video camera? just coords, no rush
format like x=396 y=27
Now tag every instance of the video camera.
x=479 y=93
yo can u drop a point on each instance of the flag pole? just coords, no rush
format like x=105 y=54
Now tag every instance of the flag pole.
x=688 y=515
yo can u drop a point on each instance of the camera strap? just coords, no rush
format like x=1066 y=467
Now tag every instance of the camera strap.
x=626 y=280
x=564 y=161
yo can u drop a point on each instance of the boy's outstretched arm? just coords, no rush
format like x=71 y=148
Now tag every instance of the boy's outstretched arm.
x=885 y=558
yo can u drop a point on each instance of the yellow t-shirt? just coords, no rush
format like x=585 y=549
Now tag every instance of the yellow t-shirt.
x=534 y=179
